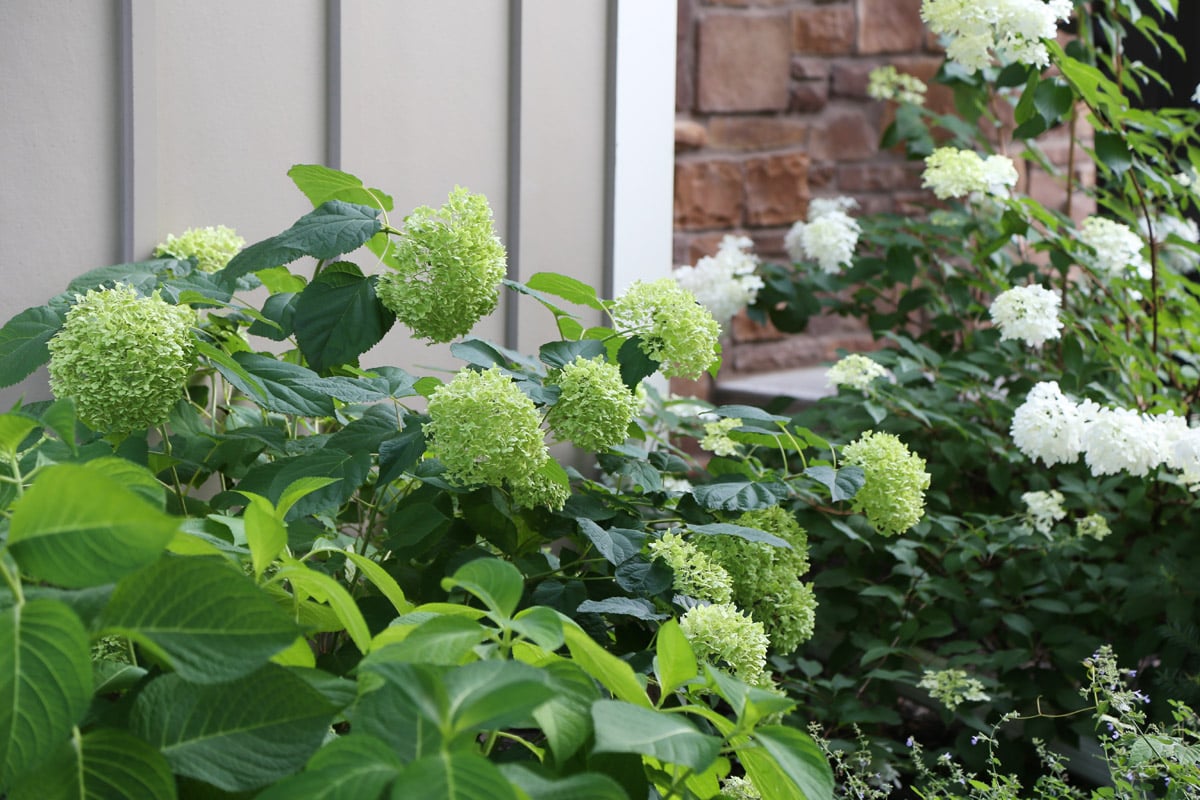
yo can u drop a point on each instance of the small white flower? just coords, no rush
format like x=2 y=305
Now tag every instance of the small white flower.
x=1028 y=313
x=1118 y=249
x=855 y=371
x=725 y=283
x=829 y=237
x=888 y=83
x=1045 y=509
x=951 y=172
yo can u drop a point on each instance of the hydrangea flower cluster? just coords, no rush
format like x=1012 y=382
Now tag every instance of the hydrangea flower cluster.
x=953 y=687
x=766 y=578
x=1045 y=509
x=1093 y=526
x=674 y=329
x=448 y=265
x=829 y=237
x=1028 y=313
x=1054 y=428
x=716 y=438
x=855 y=371
x=893 y=497
x=1118 y=249
x=737 y=787
x=485 y=430
x=888 y=83
x=696 y=574
x=725 y=283
x=1013 y=29
x=951 y=172
x=211 y=247
x=722 y=635
x=1049 y=425
x=123 y=358
x=594 y=407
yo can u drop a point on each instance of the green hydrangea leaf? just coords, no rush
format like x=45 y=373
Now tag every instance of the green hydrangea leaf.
x=330 y=230
x=736 y=493
x=102 y=763
x=625 y=728
x=23 y=342
x=338 y=317
x=320 y=184
x=45 y=682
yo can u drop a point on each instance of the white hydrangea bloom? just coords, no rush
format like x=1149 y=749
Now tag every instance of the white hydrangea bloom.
x=725 y=283
x=951 y=172
x=1012 y=29
x=1045 y=509
x=888 y=83
x=1120 y=440
x=1184 y=456
x=829 y=237
x=1118 y=249
x=855 y=371
x=1028 y=313
x=1196 y=94
x=1049 y=425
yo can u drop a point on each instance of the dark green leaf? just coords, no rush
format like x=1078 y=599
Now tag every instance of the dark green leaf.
x=236 y=736
x=202 y=616
x=800 y=759
x=330 y=230
x=76 y=527
x=843 y=484
x=349 y=471
x=401 y=452
x=639 y=576
x=452 y=776
x=737 y=493
x=280 y=309
x=45 y=682
x=339 y=317
x=1112 y=151
x=352 y=767
x=740 y=531
x=584 y=786
x=636 y=607
x=497 y=583
x=635 y=364
x=23 y=342
x=106 y=764
x=612 y=673
x=616 y=545
x=559 y=354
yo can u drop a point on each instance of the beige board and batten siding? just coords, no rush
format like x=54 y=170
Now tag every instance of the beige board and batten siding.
x=222 y=97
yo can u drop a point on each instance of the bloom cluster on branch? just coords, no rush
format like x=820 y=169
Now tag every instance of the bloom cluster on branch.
x=725 y=283
x=829 y=237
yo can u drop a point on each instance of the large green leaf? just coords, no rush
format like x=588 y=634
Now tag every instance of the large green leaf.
x=202 y=616
x=103 y=764
x=238 y=735
x=452 y=776
x=321 y=184
x=45 y=682
x=339 y=317
x=354 y=767
x=612 y=673
x=584 y=786
x=13 y=430
x=737 y=493
x=497 y=583
x=330 y=230
x=566 y=718
x=797 y=756
x=626 y=728
x=324 y=589
x=76 y=527
x=674 y=662
x=569 y=289
x=23 y=342
x=616 y=545
x=293 y=389
x=271 y=480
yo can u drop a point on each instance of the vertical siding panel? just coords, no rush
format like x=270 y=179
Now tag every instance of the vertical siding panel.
x=60 y=192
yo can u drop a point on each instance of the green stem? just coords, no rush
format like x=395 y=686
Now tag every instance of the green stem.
x=13 y=581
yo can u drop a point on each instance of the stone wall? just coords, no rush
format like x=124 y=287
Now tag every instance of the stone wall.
x=772 y=109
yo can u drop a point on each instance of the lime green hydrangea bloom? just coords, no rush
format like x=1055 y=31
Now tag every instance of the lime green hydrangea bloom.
x=1093 y=525
x=723 y=636
x=595 y=406
x=739 y=788
x=766 y=578
x=211 y=247
x=953 y=687
x=123 y=358
x=893 y=497
x=696 y=575
x=716 y=438
x=485 y=430
x=447 y=270
x=537 y=489
x=675 y=330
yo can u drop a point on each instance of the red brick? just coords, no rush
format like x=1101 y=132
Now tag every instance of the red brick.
x=810 y=69
x=776 y=189
x=748 y=3
x=744 y=329
x=939 y=98
x=794 y=351
x=708 y=194
x=850 y=78
x=685 y=56
x=890 y=26
x=757 y=133
x=809 y=97
x=820 y=175
x=689 y=135
x=843 y=134
x=823 y=30
x=743 y=62
x=854 y=178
